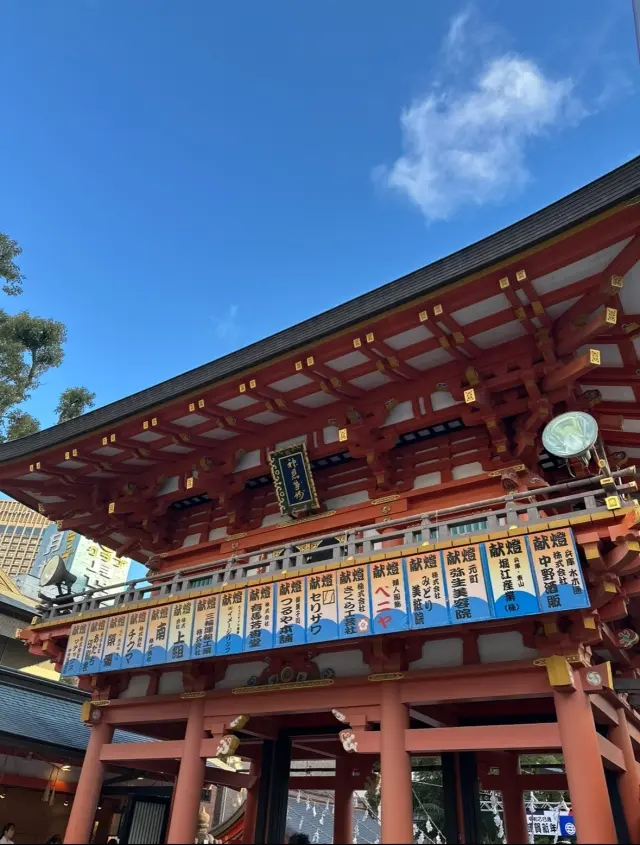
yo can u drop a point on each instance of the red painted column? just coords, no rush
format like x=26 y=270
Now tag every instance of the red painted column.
x=85 y=804
x=251 y=805
x=343 y=803
x=396 y=794
x=188 y=789
x=585 y=772
x=629 y=781
x=515 y=817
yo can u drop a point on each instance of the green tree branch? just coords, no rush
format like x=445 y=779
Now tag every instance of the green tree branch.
x=29 y=347
x=9 y=270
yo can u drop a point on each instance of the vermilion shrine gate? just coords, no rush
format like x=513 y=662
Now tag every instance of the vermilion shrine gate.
x=360 y=552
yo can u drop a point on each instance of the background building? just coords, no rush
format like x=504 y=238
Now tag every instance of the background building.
x=17 y=611
x=92 y=565
x=20 y=532
x=43 y=744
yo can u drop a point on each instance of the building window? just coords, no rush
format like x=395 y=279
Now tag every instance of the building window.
x=469 y=527
x=200 y=582
x=463 y=528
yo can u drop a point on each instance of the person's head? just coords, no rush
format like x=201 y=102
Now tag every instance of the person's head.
x=112 y=841
x=56 y=839
x=299 y=839
x=8 y=830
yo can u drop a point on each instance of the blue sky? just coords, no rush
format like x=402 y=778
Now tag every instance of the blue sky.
x=186 y=178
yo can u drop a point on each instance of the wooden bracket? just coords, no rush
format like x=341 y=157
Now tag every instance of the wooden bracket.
x=561 y=675
x=596 y=678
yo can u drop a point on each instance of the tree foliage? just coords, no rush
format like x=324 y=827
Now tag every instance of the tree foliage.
x=19 y=424
x=428 y=797
x=9 y=270
x=73 y=402
x=29 y=347
x=429 y=804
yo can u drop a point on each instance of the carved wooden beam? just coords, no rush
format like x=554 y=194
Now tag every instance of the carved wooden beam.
x=567 y=373
x=607 y=286
x=572 y=337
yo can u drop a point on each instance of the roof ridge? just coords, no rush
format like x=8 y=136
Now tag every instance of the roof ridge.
x=41 y=686
x=595 y=198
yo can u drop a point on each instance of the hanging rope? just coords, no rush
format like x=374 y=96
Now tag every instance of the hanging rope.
x=497 y=818
x=298 y=816
x=430 y=823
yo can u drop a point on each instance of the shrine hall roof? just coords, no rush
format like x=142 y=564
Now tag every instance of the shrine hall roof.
x=47 y=712
x=595 y=198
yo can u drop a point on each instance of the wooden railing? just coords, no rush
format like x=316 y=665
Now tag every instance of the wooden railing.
x=512 y=510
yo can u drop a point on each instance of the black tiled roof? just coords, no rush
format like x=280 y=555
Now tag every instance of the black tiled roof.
x=47 y=715
x=18 y=605
x=615 y=187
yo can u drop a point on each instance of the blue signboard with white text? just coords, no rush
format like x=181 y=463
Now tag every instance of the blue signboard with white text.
x=557 y=570
x=426 y=593
x=231 y=622
x=260 y=617
x=290 y=626
x=466 y=585
x=510 y=577
x=322 y=607
x=388 y=597
x=500 y=579
x=179 y=643
x=354 y=602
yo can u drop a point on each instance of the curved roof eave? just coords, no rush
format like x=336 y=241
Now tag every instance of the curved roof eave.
x=595 y=198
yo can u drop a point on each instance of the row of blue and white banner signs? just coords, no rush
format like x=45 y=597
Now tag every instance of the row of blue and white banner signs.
x=500 y=579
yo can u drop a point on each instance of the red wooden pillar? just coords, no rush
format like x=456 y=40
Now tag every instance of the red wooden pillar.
x=628 y=781
x=515 y=817
x=183 y=825
x=343 y=803
x=396 y=796
x=80 y=824
x=585 y=772
x=251 y=804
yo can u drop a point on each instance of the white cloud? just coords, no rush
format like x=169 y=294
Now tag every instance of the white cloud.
x=455 y=37
x=465 y=144
x=226 y=326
